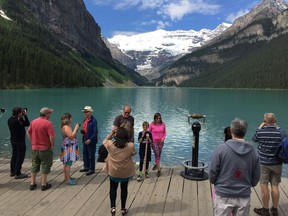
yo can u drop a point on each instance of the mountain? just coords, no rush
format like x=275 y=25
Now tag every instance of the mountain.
x=252 y=53
x=58 y=40
x=150 y=52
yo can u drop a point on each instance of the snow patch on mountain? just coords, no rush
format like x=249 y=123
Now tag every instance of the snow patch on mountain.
x=176 y=42
x=160 y=43
x=2 y=14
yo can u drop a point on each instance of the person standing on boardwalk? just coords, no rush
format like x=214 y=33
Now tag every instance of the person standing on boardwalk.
x=158 y=130
x=17 y=123
x=144 y=138
x=89 y=139
x=227 y=134
x=234 y=169
x=119 y=165
x=268 y=136
x=41 y=133
x=125 y=120
x=69 y=149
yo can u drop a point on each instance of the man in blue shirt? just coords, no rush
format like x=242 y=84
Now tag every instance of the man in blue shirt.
x=268 y=136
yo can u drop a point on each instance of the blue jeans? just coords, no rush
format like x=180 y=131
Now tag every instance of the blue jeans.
x=89 y=156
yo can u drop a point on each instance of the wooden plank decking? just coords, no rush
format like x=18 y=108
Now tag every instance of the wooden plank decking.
x=169 y=195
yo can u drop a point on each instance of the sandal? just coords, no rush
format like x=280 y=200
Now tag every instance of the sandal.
x=113 y=211
x=124 y=211
x=262 y=211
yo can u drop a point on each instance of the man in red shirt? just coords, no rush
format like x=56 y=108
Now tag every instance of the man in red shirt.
x=42 y=135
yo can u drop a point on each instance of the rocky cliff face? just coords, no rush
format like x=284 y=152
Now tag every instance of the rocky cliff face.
x=265 y=22
x=120 y=56
x=73 y=24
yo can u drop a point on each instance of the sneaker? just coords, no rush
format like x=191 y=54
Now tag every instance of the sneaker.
x=147 y=175
x=71 y=182
x=154 y=167
x=274 y=211
x=262 y=211
x=71 y=178
x=21 y=176
x=139 y=178
x=33 y=187
x=158 y=173
x=45 y=187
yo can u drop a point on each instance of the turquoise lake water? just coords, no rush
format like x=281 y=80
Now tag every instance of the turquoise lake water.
x=220 y=106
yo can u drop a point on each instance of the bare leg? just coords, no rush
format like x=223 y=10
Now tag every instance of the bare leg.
x=265 y=194
x=44 y=179
x=158 y=166
x=67 y=173
x=275 y=195
x=33 y=178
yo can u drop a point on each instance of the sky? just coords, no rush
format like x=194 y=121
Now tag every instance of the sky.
x=138 y=16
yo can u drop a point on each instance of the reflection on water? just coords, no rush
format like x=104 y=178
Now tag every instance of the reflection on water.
x=219 y=105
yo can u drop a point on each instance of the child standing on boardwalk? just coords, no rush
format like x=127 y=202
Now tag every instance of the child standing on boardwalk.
x=144 y=137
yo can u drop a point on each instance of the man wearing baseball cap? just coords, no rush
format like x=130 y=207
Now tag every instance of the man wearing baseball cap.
x=42 y=135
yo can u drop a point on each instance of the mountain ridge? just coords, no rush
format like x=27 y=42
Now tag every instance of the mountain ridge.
x=59 y=40
x=226 y=55
x=153 y=50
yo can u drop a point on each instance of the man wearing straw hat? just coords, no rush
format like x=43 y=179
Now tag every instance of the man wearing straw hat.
x=89 y=139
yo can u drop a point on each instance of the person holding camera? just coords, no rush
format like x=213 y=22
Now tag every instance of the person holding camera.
x=17 y=123
x=89 y=139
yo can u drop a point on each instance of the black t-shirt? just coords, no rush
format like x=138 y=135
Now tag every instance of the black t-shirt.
x=127 y=123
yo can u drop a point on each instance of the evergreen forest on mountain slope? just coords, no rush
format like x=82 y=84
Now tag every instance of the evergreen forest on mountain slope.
x=31 y=56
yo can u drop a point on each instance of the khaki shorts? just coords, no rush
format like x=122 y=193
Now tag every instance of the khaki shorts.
x=271 y=174
x=43 y=158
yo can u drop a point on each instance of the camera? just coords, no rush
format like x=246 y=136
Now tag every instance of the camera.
x=82 y=131
x=79 y=124
x=24 y=110
x=2 y=110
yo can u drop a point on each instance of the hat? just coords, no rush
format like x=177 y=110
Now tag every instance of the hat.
x=87 y=108
x=45 y=110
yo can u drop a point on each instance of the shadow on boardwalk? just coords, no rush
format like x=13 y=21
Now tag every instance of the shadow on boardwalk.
x=169 y=194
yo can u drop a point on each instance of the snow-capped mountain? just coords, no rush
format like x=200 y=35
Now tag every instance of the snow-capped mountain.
x=152 y=50
x=2 y=14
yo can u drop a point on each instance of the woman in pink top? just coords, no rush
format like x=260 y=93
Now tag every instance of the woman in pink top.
x=158 y=130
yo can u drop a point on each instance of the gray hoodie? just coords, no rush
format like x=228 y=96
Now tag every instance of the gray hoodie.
x=234 y=169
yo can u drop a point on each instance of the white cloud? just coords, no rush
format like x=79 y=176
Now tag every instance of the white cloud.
x=233 y=16
x=158 y=23
x=127 y=4
x=175 y=9
x=127 y=33
x=178 y=9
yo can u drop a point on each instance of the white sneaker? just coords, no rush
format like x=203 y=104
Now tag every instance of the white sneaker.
x=139 y=178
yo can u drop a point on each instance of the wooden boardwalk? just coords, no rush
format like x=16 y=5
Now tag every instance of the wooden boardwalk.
x=169 y=195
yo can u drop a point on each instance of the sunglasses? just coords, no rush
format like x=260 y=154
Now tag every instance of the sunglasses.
x=86 y=111
x=127 y=113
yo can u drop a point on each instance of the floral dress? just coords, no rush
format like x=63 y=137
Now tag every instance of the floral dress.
x=69 y=150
